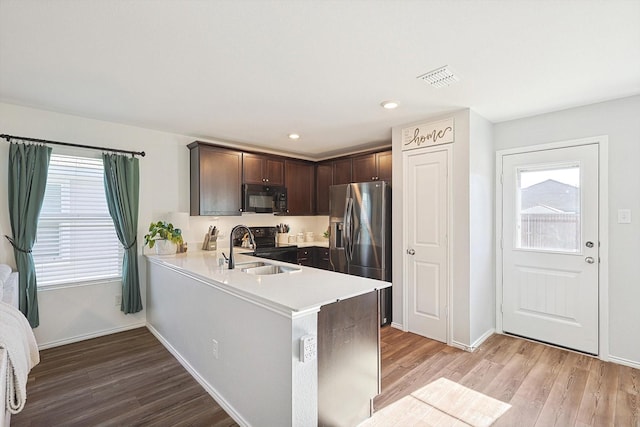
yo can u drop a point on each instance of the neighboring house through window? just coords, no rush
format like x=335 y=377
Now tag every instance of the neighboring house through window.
x=76 y=240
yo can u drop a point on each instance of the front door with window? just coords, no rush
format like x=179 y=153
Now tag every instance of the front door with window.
x=550 y=246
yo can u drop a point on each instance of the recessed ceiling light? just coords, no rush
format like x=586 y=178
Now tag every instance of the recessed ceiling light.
x=389 y=105
x=294 y=136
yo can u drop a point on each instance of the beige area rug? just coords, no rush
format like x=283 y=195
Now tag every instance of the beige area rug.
x=442 y=403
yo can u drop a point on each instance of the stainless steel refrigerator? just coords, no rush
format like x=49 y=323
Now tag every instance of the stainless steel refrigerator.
x=360 y=234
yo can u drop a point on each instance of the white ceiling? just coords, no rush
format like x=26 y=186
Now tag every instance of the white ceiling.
x=252 y=71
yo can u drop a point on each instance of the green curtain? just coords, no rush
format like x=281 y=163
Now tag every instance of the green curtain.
x=28 y=166
x=121 y=184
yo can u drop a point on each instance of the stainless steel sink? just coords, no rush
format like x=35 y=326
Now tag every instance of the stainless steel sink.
x=251 y=264
x=269 y=269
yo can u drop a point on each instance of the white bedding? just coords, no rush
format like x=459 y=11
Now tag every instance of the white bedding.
x=21 y=354
x=5 y=416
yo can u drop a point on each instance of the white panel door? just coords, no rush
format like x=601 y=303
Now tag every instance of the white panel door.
x=550 y=246
x=426 y=250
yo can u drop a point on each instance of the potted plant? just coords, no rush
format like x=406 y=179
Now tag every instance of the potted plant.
x=164 y=237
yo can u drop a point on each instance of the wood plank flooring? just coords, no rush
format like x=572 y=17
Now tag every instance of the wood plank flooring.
x=130 y=379
x=546 y=386
x=124 y=379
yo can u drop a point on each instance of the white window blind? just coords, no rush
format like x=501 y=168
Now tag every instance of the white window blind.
x=76 y=239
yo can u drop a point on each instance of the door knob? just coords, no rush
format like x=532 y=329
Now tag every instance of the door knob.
x=589 y=244
x=411 y=251
x=590 y=260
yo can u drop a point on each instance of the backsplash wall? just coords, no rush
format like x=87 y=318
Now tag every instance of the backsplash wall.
x=194 y=231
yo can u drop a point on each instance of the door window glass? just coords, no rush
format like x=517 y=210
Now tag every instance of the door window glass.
x=548 y=208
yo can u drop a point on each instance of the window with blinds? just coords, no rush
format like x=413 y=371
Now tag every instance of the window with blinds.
x=76 y=240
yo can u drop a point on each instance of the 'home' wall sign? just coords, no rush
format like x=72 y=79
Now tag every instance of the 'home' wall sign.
x=425 y=135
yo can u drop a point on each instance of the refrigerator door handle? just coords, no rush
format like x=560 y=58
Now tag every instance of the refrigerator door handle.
x=348 y=229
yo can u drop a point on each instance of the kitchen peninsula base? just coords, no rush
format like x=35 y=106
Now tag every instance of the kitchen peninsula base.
x=245 y=348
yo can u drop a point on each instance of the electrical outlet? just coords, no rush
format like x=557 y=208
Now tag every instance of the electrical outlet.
x=118 y=300
x=308 y=348
x=214 y=348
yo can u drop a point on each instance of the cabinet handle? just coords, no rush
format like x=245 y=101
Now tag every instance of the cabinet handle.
x=267 y=179
x=240 y=209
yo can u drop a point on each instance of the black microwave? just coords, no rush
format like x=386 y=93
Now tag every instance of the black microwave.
x=264 y=198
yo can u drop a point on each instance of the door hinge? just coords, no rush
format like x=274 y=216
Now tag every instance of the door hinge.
x=501 y=308
x=501 y=178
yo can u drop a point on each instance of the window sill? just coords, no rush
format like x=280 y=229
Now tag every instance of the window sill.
x=44 y=288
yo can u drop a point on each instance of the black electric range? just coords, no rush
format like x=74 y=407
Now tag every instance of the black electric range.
x=267 y=246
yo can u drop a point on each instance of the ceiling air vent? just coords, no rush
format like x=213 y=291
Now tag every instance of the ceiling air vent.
x=440 y=77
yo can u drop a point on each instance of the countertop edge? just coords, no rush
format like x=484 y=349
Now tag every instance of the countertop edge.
x=270 y=305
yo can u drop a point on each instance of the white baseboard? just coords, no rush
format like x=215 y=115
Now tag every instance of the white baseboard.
x=625 y=362
x=473 y=347
x=482 y=339
x=461 y=346
x=83 y=337
x=208 y=387
x=398 y=326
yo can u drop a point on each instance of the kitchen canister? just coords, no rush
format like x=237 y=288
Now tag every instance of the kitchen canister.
x=308 y=236
x=300 y=237
x=283 y=238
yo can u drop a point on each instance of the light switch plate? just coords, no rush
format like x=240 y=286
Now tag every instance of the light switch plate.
x=624 y=216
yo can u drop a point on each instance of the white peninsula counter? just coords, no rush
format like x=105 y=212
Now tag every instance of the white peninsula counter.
x=239 y=335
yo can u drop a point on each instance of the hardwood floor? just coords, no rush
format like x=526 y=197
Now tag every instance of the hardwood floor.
x=124 y=379
x=546 y=386
x=130 y=379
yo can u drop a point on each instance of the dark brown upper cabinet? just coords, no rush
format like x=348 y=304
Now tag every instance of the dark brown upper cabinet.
x=372 y=167
x=300 y=183
x=342 y=171
x=384 y=160
x=259 y=169
x=324 y=179
x=216 y=180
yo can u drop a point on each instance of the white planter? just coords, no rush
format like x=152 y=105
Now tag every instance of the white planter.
x=165 y=247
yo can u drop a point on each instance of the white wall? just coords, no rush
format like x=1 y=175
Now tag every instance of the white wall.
x=481 y=229
x=620 y=120
x=73 y=313
x=266 y=386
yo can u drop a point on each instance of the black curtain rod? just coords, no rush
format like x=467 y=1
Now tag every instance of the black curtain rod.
x=69 y=144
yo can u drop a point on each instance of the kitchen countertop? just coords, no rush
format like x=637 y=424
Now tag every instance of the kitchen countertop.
x=291 y=293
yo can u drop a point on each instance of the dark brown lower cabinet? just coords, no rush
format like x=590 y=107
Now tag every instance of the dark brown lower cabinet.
x=314 y=256
x=306 y=257
x=322 y=258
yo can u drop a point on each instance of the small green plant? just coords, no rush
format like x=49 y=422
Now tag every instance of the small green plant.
x=326 y=234
x=162 y=230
